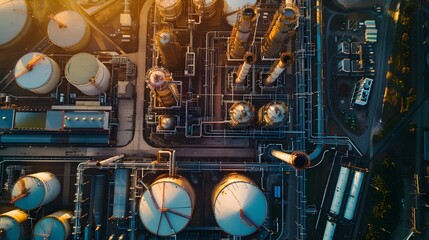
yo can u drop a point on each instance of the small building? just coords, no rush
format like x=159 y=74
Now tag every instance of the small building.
x=344 y=65
x=344 y=47
x=361 y=92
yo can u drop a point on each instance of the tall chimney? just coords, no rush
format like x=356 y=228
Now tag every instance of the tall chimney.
x=298 y=160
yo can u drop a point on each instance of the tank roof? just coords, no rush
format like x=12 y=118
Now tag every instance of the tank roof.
x=38 y=75
x=67 y=29
x=81 y=68
x=13 y=17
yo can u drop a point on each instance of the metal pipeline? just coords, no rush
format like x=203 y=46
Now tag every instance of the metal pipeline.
x=105 y=162
x=279 y=66
x=249 y=59
x=298 y=160
x=241 y=34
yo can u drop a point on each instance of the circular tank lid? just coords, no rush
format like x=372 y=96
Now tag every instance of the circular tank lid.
x=66 y=29
x=33 y=70
x=242 y=113
x=165 y=208
x=166 y=3
x=49 y=228
x=164 y=38
x=10 y=227
x=81 y=68
x=157 y=78
x=167 y=122
x=240 y=208
x=31 y=190
x=13 y=17
x=233 y=5
x=276 y=112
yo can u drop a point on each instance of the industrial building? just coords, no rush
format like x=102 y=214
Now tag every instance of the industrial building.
x=188 y=137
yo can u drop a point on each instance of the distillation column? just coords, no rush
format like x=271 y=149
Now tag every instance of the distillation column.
x=282 y=26
x=165 y=92
x=242 y=33
x=169 y=49
x=298 y=160
x=249 y=59
x=278 y=67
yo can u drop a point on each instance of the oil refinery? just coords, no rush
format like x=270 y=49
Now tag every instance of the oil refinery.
x=163 y=119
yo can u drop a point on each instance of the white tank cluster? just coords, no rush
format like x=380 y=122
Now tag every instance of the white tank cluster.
x=232 y=7
x=87 y=73
x=69 y=30
x=14 y=225
x=170 y=10
x=15 y=21
x=37 y=72
x=54 y=226
x=205 y=8
x=239 y=206
x=166 y=207
x=35 y=190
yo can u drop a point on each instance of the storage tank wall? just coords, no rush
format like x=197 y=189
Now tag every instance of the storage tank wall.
x=15 y=21
x=353 y=197
x=340 y=188
x=169 y=9
x=14 y=225
x=54 y=226
x=205 y=8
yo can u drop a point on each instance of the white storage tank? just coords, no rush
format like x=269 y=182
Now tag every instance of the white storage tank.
x=37 y=72
x=15 y=21
x=69 y=30
x=273 y=114
x=13 y=225
x=241 y=114
x=167 y=206
x=205 y=8
x=55 y=226
x=232 y=7
x=87 y=73
x=239 y=206
x=169 y=9
x=35 y=190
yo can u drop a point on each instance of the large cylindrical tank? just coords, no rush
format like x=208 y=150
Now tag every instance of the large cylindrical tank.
x=169 y=9
x=282 y=25
x=241 y=114
x=170 y=50
x=35 y=190
x=205 y=8
x=69 y=30
x=239 y=206
x=87 y=73
x=273 y=114
x=37 y=72
x=232 y=7
x=55 y=226
x=160 y=82
x=15 y=21
x=167 y=206
x=13 y=225
x=242 y=33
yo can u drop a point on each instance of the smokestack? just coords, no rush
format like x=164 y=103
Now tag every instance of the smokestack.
x=283 y=24
x=249 y=59
x=279 y=66
x=298 y=160
x=242 y=33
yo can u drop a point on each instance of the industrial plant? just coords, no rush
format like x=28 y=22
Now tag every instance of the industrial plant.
x=162 y=119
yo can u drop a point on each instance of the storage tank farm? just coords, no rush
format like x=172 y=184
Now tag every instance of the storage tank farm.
x=184 y=119
x=15 y=22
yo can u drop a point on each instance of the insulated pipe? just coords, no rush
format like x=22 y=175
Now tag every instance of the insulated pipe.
x=249 y=59
x=279 y=66
x=242 y=33
x=298 y=160
x=109 y=160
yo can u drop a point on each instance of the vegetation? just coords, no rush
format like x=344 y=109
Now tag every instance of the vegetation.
x=385 y=195
x=400 y=94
